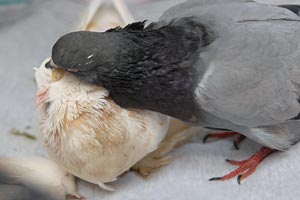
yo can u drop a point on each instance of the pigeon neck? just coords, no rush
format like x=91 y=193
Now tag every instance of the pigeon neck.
x=155 y=68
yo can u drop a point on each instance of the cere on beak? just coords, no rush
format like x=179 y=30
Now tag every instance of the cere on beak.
x=72 y=70
x=51 y=65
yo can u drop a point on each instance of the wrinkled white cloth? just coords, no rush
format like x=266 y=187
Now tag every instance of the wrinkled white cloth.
x=27 y=40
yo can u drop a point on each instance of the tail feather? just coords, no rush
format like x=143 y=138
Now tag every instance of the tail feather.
x=279 y=137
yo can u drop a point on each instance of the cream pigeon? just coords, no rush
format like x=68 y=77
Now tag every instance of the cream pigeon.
x=90 y=136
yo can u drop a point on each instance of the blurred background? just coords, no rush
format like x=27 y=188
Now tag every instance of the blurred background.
x=29 y=28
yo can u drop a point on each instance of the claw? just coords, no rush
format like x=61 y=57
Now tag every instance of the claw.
x=235 y=145
x=206 y=137
x=238 y=141
x=215 y=179
x=219 y=135
x=234 y=162
x=246 y=167
x=239 y=179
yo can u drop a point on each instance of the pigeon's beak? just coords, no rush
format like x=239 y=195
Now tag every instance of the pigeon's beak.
x=57 y=74
x=72 y=70
x=51 y=65
x=48 y=65
x=41 y=97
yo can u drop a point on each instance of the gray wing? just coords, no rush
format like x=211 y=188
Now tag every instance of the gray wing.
x=253 y=79
x=236 y=10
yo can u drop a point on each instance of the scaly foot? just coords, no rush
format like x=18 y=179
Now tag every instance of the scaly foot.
x=246 y=167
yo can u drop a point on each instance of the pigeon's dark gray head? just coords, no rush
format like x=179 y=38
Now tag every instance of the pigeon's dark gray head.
x=82 y=51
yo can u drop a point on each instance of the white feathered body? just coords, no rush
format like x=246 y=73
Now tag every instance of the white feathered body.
x=88 y=134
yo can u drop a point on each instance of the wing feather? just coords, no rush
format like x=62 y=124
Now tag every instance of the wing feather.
x=253 y=78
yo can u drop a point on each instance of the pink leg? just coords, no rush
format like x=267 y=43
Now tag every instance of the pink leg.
x=247 y=167
x=223 y=135
x=220 y=135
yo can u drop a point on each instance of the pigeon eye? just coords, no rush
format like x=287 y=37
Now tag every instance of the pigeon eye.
x=48 y=65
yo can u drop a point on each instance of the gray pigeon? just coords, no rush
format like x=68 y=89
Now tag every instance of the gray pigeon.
x=225 y=64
